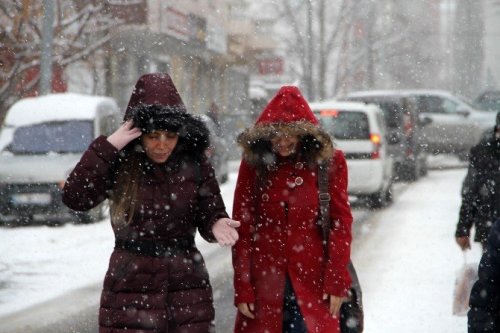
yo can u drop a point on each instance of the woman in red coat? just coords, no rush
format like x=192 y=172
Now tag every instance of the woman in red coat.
x=161 y=189
x=282 y=281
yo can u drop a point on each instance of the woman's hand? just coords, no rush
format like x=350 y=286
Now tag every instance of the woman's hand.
x=463 y=242
x=335 y=303
x=225 y=232
x=247 y=309
x=124 y=134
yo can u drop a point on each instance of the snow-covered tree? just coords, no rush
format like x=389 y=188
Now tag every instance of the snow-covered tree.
x=339 y=46
x=311 y=32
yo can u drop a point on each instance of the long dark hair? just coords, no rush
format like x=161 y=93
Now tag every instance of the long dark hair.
x=128 y=177
x=131 y=165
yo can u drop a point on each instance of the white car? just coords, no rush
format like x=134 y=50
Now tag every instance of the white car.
x=43 y=138
x=358 y=129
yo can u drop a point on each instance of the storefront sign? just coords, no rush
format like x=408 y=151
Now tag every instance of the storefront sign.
x=129 y=11
x=271 y=66
x=176 y=24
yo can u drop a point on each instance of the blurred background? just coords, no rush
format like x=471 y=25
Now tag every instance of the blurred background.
x=236 y=53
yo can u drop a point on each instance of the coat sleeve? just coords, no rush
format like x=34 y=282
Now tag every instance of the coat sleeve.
x=337 y=278
x=468 y=208
x=89 y=182
x=485 y=296
x=244 y=212
x=210 y=204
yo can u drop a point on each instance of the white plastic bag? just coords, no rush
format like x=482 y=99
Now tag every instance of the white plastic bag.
x=466 y=277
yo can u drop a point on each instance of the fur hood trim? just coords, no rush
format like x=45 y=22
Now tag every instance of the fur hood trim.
x=193 y=133
x=316 y=145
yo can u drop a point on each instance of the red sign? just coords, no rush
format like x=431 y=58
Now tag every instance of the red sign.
x=271 y=66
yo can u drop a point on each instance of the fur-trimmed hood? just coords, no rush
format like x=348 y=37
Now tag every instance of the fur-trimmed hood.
x=287 y=113
x=155 y=104
x=192 y=131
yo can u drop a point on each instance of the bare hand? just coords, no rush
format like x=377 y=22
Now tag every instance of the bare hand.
x=225 y=232
x=463 y=242
x=124 y=134
x=247 y=309
x=335 y=303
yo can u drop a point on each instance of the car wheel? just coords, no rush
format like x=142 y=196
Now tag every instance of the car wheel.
x=423 y=169
x=410 y=172
x=381 y=199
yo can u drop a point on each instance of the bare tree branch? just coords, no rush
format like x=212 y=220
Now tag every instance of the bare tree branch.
x=79 y=34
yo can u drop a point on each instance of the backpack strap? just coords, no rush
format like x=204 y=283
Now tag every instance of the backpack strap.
x=351 y=311
x=324 y=203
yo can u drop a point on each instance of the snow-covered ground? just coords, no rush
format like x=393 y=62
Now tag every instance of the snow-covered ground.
x=407 y=259
x=405 y=255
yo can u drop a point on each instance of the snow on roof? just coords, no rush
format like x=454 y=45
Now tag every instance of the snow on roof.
x=55 y=107
x=347 y=106
x=399 y=92
x=257 y=92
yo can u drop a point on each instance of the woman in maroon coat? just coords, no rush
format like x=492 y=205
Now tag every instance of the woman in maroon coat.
x=160 y=189
x=282 y=281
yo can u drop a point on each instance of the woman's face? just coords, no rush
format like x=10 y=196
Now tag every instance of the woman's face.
x=159 y=145
x=285 y=145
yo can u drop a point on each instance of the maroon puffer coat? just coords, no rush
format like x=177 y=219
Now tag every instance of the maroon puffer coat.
x=170 y=292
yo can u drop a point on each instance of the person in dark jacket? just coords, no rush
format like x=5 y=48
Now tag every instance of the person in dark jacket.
x=484 y=313
x=283 y=280
x=481 y=190
x=161 y=189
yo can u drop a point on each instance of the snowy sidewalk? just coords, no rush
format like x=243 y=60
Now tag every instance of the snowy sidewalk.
x=407 y=259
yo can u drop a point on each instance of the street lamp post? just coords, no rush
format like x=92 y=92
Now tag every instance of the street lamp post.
x=45 y=85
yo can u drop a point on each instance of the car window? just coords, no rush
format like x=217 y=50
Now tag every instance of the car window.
x=381 y=122
x=488 y=101
x=436 y=104
x=345 y=125
x=392 y=113
x=449 y=106
x=60 y=137
x=392 y=110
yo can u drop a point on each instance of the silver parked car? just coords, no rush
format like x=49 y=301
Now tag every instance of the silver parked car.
x=455 y=125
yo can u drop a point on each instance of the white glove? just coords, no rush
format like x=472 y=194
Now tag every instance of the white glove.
x=124 y=134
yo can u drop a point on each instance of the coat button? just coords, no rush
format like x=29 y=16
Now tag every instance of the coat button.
x=265 y=197
x=299 y=181
x=299 y=165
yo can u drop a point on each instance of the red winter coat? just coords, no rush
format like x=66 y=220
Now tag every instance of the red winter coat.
x=278 y=211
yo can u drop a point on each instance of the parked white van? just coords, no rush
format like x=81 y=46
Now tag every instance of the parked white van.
x=358 y=129
x=43 y=138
